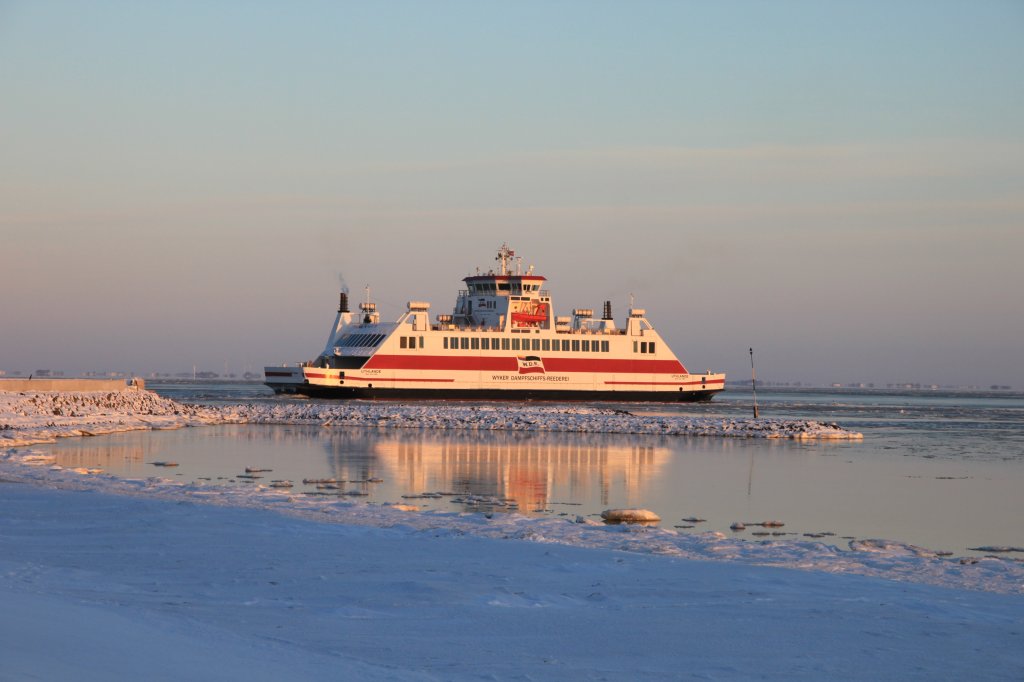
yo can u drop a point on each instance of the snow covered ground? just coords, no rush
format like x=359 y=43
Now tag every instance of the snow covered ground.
x=104 y=587
x=29 y=418
x=104 y=578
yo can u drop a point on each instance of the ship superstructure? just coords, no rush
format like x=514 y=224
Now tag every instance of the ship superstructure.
x=501 y=341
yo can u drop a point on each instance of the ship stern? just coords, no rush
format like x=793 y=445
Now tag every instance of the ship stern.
x=284 y=379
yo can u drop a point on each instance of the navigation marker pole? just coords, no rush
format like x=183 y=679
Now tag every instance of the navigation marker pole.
x=753 y=381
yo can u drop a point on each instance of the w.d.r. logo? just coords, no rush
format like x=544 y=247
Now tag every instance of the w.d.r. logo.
x=531 y=364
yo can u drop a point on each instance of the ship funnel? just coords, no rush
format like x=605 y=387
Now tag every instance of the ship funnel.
x=343 y=302
x=607 y=311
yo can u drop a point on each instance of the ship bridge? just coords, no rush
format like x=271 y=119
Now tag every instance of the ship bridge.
x=503 y=303
x=509 y=302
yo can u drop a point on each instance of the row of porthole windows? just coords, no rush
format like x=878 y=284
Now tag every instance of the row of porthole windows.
x=542 y=345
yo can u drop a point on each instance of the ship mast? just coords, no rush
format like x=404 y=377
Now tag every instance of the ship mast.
x=505 y=254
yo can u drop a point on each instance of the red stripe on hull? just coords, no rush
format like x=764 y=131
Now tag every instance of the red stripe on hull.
x=664 y=383
x=509 y=364
x=610 y=366
x=386 y=379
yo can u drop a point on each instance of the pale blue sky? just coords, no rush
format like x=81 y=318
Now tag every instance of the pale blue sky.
x=839 y=185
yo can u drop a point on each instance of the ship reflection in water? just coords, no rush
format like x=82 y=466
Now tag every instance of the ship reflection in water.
x=528 y=471
x=532 y=473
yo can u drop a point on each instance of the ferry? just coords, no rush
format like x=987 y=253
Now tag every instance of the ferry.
x=502 y=341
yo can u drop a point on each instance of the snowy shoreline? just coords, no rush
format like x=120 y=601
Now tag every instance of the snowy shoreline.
x=40 y=418
x=99 y=587
x=34 y=418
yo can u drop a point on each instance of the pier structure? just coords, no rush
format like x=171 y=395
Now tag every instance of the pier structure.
x=25 y=385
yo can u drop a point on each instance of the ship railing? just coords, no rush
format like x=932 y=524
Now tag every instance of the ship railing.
x=464 y=293
x=591 y=332
x=464 y=328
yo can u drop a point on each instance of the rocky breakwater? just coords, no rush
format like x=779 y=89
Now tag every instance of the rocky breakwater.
x=42 y=417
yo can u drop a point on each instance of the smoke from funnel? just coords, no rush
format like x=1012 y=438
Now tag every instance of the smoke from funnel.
x=342 y=284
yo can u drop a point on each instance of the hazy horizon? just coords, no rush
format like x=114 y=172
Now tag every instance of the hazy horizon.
x=840 y=187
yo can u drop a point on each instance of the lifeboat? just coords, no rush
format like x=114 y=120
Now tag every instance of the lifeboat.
x=532 y=317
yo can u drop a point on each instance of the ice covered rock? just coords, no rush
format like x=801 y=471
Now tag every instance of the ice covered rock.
x=890 y=547
x=630 y=516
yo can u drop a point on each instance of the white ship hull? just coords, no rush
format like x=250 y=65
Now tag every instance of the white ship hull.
x=501 y=385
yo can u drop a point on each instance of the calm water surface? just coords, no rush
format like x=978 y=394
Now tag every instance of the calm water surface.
x=940 y=470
